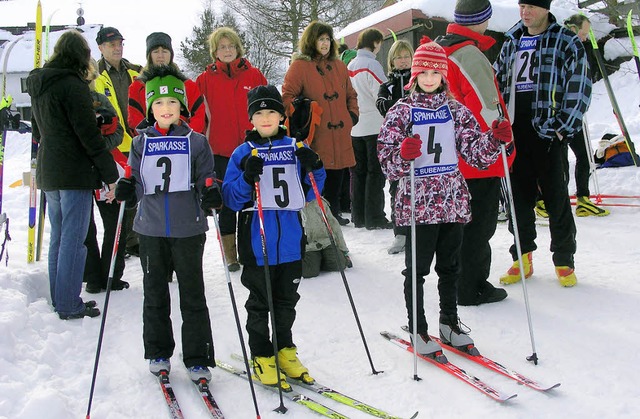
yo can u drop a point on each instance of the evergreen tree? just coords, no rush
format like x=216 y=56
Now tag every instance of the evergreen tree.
x=195 y=50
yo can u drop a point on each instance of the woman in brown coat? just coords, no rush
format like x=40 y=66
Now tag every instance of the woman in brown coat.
x=316 y=72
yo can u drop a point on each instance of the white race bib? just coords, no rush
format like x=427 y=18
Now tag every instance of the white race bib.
x=437 y=133
x=166 y=165
x=526 y=64
x=280 y=187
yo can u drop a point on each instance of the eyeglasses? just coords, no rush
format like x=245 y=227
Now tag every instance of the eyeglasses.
x=226 y=47
x=324 y=39
x=402 y=57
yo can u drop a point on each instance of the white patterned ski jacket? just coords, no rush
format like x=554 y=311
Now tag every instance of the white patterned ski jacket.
x=442 y=198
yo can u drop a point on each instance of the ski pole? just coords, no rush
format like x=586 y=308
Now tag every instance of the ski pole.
x=332 y=240
x=414 y=273
x=267 y=276
x=516 y=238
x=208 y=183
x=112 y=267
x=592 y=163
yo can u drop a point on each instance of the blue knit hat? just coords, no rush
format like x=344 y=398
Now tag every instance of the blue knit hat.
x=472 y=12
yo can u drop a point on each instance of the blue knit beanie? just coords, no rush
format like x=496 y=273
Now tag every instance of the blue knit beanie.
x=472 y=12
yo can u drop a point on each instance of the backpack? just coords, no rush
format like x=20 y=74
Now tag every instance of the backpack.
x=613 y=152
x=303 y=116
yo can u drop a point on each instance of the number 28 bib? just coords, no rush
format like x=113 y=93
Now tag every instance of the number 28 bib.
x=166 y=165
x=280 y=187
x=437 y=132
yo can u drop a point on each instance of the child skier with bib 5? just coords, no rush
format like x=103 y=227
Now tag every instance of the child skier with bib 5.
x=170 y=164
x=430 y=128
x=281 y=168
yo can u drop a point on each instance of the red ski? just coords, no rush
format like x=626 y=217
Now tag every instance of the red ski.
x=495 y=366
x=452 y=369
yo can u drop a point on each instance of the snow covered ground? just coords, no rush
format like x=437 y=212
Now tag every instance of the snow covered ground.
x=586 y=337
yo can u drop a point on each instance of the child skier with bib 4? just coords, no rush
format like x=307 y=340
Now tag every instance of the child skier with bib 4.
x=281 y=168
x=430 y=128
x=170 y=164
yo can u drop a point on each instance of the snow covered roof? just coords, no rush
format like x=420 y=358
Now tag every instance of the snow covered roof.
x=21 y=58
x=505 y=15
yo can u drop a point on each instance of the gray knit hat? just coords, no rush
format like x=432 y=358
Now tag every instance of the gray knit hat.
x=472 y=12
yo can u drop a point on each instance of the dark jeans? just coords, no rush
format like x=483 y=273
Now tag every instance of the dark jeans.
x=96 y=268
x=367 y=196
x=583 y=168
x=226 y=217
x=333 y=188
x=476 y=250
x=443 y=241
x=541 y=162
x=156 y=254
x=284 y=292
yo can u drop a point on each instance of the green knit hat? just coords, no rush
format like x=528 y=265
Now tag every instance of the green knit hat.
x=165 y=85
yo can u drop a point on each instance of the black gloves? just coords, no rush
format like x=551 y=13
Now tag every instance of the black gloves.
x=211 y=199
x=126 y=191
x=253 y=166
x=308 y=158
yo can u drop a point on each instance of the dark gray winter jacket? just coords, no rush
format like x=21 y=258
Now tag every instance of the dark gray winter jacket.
x=72 y=153
x=173 y=214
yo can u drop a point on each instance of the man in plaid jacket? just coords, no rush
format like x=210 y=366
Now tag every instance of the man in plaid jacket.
x=542 y=72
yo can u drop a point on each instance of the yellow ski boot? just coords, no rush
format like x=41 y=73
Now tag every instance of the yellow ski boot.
x=292 y=367
x=566 y=276
x=264 y=369
x=585 y=208
x=541 y=209
x=513 y=274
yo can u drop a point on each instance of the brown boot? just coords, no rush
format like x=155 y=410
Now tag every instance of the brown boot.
x=230 y=252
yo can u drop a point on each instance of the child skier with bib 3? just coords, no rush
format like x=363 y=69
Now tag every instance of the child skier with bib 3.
x=170 y=164
x=279 y=168
x=430 y=128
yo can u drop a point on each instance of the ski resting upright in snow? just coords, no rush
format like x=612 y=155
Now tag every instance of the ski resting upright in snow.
x=452 y=369
x=474 y=355
x=337 y=396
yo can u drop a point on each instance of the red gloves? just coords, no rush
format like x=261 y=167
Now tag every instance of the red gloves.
x=502 y=131
x=410 y=147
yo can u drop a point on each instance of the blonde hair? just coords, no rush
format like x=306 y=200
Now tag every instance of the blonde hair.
x=225 y=32
x=92 y=73
x=396 y=48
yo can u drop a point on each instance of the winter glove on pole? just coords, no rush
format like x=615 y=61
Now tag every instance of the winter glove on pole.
x=410 y=147
x=126 y=191
x=502 y=131
x=253 y=166
x=308 y=158
x=211 y=199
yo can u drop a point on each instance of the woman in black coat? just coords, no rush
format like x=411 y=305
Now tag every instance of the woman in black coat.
x=72 y=161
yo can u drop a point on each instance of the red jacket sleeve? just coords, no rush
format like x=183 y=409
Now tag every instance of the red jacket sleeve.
x=137 y=105
x=197 y=121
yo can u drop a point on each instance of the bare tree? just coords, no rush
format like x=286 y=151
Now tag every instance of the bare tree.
x=281 y=23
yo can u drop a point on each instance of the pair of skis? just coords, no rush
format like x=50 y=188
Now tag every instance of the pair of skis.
x=444 y=364
x=172 y=401
x=309 y=403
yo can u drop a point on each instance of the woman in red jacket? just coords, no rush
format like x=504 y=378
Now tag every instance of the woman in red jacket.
x=160 y=52
x=224 y=85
